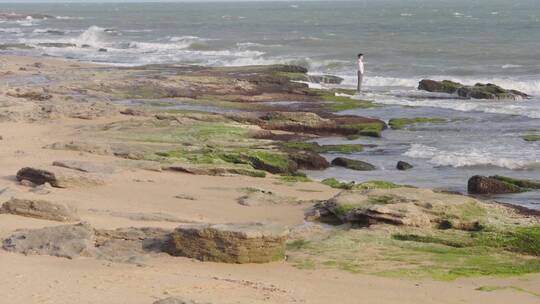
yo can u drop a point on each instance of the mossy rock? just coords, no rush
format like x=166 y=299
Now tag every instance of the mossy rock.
x=353 y=164
x=272 y=162
x=445 y=86
x=374 y=184
x=315 y=147
x=336 y=103
x=334 y=183
x=400 y=123
x=531 y=137
x=373 y=129
x=499 y=185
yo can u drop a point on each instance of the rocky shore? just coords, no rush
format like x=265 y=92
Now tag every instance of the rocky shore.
x=184 y=184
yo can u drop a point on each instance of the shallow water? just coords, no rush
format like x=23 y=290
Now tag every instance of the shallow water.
x=445 y=155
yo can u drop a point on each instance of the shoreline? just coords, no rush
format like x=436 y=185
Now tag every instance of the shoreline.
x=168 y=168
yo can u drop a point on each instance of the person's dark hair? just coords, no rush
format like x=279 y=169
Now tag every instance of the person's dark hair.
x=360 y=55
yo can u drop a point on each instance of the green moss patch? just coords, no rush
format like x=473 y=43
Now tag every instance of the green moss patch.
x=342 y=103
x=334 y=183
x=400 y=123
x=270 y=161
x=520 y=184
x=293 y=179
x=373 y=129
x=375 y=184
x=531 y=137
x=315 y=147
x=414 y=253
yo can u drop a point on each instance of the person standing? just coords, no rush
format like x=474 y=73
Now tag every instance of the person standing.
x=360 y=72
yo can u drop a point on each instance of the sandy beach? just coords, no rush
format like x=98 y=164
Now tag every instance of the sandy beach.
x=135 y=195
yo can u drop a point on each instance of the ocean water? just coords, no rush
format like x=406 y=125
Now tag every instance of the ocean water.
x=469 y=41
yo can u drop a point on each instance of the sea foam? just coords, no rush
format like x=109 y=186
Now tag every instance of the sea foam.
x=468 y=158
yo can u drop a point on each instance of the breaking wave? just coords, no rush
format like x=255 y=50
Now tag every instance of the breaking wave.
x=527 y=109
x=468 y=158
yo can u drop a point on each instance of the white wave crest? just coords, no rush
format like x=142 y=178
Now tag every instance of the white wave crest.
x=157 y=47
x=467 y=158
x=184 y=38
x=527 y=109
x=511 y=66
x=94 y=36
x=11 y=30
x=380 y=81
x=68 y=18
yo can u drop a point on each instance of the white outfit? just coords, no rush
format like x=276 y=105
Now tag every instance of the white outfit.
x=360 y=74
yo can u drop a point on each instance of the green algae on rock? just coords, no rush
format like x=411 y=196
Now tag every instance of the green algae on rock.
x=478 y=91
x=506 y=242
x=315 y=147
x=313 y=123
x=353 y=164
x=499 y=184
x=374 y=184
x=400 y=123
x=531 y=137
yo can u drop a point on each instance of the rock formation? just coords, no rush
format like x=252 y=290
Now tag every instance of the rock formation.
x=230 y=243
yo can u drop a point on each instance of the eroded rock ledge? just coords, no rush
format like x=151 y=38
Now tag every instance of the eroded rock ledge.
x=478 y=91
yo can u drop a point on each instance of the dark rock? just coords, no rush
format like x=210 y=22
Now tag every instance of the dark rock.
x=56 y=45
x=230 y=243
x=38 y=95
x=58 y=177
x=445 y=86
x=309 y=160
x=174 y=300
x=478 y=91
x=20 y=46
x=353 y=164
x=133 y=112
x=490 y=185
x=490 y=91
x=401 y=165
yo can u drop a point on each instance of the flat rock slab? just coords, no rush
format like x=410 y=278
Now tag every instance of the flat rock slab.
x=175 y=300
x=68 y=241
x=404 y=206
x=230 y=243
x=141 y=216
x=58 y=177
x=92 y=148
x=123 y=245
x=147 y=165
x=257 y=197
x=39 y=209
x=129 y=245
x=85 y=166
